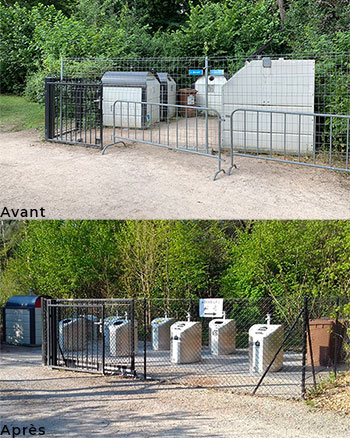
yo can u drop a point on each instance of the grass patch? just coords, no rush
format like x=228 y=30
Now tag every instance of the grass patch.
x=18 y=114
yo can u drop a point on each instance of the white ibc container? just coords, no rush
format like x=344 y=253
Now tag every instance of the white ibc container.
x=274 y=85
x=222 y=336
x=74 y=334
x=161 y=333
x=215 y=84
x=185 y=342
x=120 y=338
x=130 y=86
x=264 y=341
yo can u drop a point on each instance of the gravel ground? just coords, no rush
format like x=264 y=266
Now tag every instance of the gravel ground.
x=79 y=405
x=148 y=182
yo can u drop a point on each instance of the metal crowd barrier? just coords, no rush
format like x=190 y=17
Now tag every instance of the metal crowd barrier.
x=185 y=128
x=308 y=139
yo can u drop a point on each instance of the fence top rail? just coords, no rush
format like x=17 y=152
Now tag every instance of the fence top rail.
x=171 y=105
x=297 y=113
x=271 y=55
x=75 y=305
x=86 y=300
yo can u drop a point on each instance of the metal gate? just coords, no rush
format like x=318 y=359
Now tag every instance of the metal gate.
x=97 y=336
x=73 y=112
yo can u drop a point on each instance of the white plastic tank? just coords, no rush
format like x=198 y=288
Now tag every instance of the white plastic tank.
x=264 y=341
x=222 y=336
x=130 y=86
x=120 y=338
x=167 y=95
x=276 y=85
x=185 y=342
x=74 y=333
x=215 y=84
x=161 y=333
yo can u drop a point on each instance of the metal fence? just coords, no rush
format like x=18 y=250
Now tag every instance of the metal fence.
x=263 y=346
x=308 y=91
x=186 y=131
x=310 y=139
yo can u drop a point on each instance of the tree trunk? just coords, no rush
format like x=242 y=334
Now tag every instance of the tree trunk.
x=281 y=9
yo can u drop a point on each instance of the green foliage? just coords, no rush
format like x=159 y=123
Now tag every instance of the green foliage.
x=286 y=260
x=234 y=27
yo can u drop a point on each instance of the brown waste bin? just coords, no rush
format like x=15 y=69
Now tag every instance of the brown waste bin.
x=326 y=338
x=187 y=97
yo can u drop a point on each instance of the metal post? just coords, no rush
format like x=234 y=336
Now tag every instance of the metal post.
x=44 y=331
x=61 y=98
x=144 y=339
x=336 y=338
x=132 y=356
x=206 y=72
x=103 y=338
x=311 y=353
x=303 y=371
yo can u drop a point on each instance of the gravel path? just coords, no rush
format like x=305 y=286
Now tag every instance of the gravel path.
x=148 y=182
x=80 y=405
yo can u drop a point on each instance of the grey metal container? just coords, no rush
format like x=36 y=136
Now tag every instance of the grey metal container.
x=120 y=338
x=130 y=86
x=167 y=95
x=222 y=336
x=161 y=333
x=74 y=333
x=186 y=342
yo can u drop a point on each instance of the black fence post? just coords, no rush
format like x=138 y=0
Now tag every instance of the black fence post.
x=144 y=339
x=132 y=330
x=303 y=370
x=44 y=332
x=50 y=108
x=336 y=334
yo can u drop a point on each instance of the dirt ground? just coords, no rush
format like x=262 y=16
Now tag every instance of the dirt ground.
x=70 y=404
x=143 y=182
x=335 y=396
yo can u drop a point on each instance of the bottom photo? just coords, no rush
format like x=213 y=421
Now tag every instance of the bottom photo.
x=175 y=328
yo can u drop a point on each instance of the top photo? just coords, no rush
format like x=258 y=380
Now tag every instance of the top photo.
x=175 y=110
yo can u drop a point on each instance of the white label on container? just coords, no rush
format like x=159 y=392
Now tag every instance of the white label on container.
x=190 y=99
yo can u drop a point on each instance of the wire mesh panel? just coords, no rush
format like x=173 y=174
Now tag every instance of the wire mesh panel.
x=74 y=112
x=311 y=139
x=316 y=84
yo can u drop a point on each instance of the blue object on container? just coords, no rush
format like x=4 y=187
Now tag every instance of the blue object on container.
x=217 y=72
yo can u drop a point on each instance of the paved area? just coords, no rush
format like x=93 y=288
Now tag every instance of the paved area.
x=79 y=405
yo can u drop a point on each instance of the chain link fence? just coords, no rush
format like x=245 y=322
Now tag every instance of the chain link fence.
x=264 y=346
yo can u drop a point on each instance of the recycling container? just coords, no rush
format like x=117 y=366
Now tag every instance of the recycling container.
x=185 y=342
x=120 y=338
x=161 y=333
x=264 y=341
x=187 y=97
x=326 y=341
x=222 y=336
x=74 y=333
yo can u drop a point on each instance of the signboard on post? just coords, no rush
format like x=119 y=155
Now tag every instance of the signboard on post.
x=217 y=72
x=211 y=307
x=196 y=72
